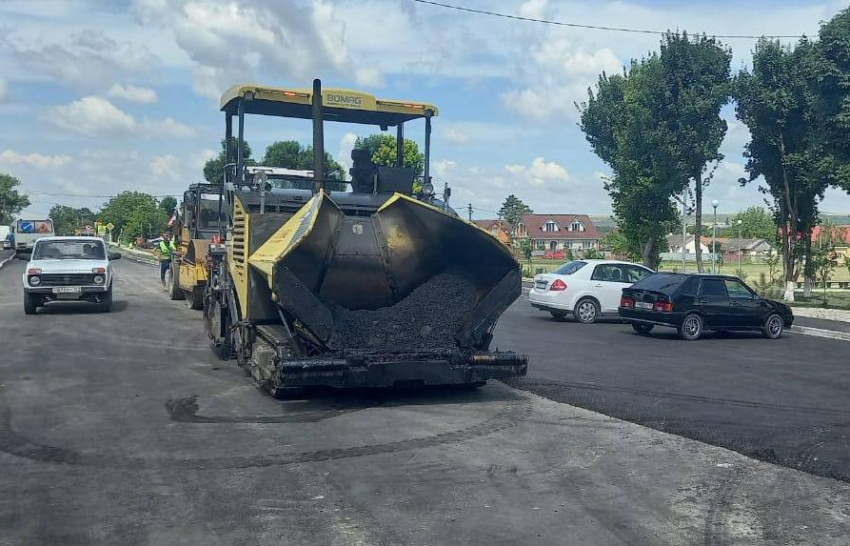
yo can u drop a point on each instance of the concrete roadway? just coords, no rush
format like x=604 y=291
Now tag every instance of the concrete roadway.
x=122 y=428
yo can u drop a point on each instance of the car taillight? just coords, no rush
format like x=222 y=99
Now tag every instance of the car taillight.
x=626 y=301
x=98 y=270
x=557 y=286
x=33 y=271
x=663 y=306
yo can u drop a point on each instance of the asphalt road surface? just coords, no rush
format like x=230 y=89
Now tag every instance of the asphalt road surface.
x=122 y=428
x=784 y=401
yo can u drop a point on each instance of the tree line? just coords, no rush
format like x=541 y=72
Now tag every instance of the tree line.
x=138 y=214
x=291 y=154
x=658 y=127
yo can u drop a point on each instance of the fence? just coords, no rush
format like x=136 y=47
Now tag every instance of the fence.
x=690 y=257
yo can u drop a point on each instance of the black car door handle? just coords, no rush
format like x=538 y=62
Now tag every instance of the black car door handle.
x=734 y=304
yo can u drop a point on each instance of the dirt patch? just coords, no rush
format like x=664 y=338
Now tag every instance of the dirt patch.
x=426 y=320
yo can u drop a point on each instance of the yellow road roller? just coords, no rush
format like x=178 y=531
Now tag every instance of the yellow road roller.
x=197 y=227
x=378 y=286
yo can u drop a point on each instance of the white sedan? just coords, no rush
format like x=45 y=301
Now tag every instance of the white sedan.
x=585 y=289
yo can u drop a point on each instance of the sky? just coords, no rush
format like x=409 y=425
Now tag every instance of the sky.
x=99 y=97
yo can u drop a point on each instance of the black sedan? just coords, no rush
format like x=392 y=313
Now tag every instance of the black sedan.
x=695 y=303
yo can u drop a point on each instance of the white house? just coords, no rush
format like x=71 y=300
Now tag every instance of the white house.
x=674 y=241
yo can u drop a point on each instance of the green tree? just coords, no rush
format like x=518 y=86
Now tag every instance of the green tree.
x=621 y=121
x=512 y=210
x=775 y=102
x=214 y=168
x=383 y=148
x=168 y=204
x=823 y=256
x=11 y=200
x=617 y=243
x=290 y=154
x=756 y=223
x=66 y=219
x=134 y=214
x=696 y=85
x=830 y=83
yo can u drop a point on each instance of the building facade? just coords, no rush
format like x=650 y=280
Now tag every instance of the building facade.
x=497 y=228
x=550 y=233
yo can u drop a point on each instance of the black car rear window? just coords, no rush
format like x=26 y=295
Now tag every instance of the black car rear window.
x=661 y=282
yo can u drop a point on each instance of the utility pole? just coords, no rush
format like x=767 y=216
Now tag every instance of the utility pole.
x=684 y=229
x=714 y=204
x=469 y=208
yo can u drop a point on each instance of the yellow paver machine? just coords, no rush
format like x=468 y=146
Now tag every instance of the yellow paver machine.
x=374 y=287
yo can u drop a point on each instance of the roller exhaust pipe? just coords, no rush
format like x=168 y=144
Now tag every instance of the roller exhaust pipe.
x=318 y=138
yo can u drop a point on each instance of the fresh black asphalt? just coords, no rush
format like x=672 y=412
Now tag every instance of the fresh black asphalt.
x=783 y=401
x=123 y=428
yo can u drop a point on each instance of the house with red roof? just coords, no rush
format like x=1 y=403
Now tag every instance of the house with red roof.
x=557 y=233
x=499 y=229
x=841 y=236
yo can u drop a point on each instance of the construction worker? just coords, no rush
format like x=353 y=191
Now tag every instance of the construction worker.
x=166 y=252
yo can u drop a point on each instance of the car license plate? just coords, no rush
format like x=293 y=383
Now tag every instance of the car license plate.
x=540 y=285
x=67 y=290
x=643 y=305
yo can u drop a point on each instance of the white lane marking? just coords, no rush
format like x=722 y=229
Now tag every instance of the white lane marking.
x=7 y=260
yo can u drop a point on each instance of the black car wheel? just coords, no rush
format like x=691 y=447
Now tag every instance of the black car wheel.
x=172 y=282
x=691 y=327
x=773 y=326
x=586 y=311
x=30 y=303
x=106 y=302
x=558 y=315
x=642 y=328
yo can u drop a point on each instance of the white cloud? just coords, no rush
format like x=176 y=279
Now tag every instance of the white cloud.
x=4 y=91
x=165 y=166
x=87 y=58
x=370 y=77
x=455 y=135
x=486 y=188
x=199 y=159
x=97 y=117
x=539 y=172
x=565 y=70
x=444 y=168
x=39 y=161
x=92 y=116
x=132 y=93
x=291 y=40
x=166 y=127
x=534 y=9
x=346 y=144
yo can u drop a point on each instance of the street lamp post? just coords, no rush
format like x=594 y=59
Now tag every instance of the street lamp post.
x=714 y=204
x=740 y=248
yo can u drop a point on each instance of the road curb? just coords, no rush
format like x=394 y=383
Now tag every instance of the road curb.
x=7 y=260
x=820 y=332
x=138 y=260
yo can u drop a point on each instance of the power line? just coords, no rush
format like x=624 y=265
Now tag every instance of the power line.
x=48 y=194
x=591 y=27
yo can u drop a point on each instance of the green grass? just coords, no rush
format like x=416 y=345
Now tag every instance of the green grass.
x=751 y=271
x=834 y=299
